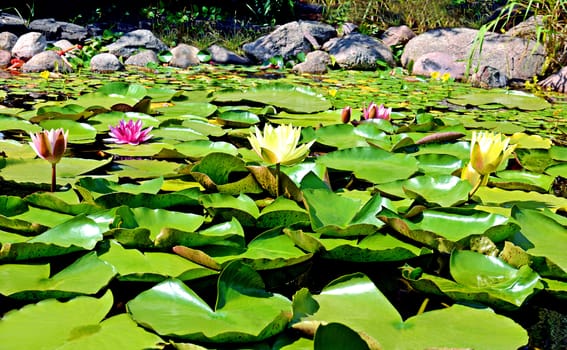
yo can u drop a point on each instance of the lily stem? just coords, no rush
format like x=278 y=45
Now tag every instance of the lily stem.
x=53 y=177
x=482 y=182
x=277 y=180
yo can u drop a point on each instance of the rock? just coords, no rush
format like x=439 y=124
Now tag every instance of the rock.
x=131 y=42
x=46 y=60
x=63 y=44
x=488 y=78
x=399 y=35
x=359 y=51
x=556 y=81
x=12 y=23
x=5 y=57
x=142 y=59
x=46 y=26
x=439 y=62
x=528 y=28
x=7 y=40
x=29 y=45
x=105 y=63
x=289 y=40
x=222 y=55
x=349 y=28
x=54 y=30
x=316 y=62
x=184 y=56
x=516 y=58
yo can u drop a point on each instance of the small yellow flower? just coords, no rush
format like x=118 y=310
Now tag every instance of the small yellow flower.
x=489 y=151
x=44 y=74
x=279 y=145
x=445 y=77
x=435 y=75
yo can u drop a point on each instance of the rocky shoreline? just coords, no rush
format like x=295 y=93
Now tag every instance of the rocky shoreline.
x=505 y=59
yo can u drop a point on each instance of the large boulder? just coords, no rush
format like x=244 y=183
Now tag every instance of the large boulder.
x=46 y=60
x=316 y=62
x=289 y=40
x=29 y=45
x=54 y=30
x=359 y=52
x=12 y=23
x=222 y=55
x=130 y=43
x=515 y=57
x=105 y=63
x=184 y=56
x=142 y=59
x=7 y=40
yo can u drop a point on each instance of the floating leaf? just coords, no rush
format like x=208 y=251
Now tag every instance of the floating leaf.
x=239 y=290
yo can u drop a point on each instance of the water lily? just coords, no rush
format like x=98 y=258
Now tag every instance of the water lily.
x=345 y=114
x=50 y=145
x=129 y=133
x=279 y=145
x=374 y=111
x=489 y=151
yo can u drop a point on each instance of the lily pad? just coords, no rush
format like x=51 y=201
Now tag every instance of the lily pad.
x=239 y=290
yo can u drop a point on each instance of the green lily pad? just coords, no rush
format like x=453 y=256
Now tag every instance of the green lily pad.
x=354 y=218
x=507 y=98
x=225 y=207
x=78 y=132
x=371 y=164
x=355 y=301
x=237 y=118
x=545 y=240
x=39 y=171
x=133 y=265
x=87 y=275
x=200 y=148
x=240 y=289
x=444 y=190
x=290 y=98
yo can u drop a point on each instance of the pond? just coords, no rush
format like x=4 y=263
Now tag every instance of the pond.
x=245 y=208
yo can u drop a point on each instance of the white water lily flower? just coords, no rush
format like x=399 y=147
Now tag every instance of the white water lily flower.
x=279 y=145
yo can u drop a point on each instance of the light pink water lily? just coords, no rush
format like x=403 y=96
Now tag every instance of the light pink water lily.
x=374 y=111
x=50 y=145
x=369 y=114
x=129 y=133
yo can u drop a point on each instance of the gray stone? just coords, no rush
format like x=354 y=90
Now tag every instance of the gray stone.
x=488 y=78
x=142 y=59
x=316 y=62
x=63 y=44
x=130 y=43
x=222 y=55
x=7 y=40
x=184 y=56
x=29 y=45
x=12 y=23
x=105 y=63
x=556 y=81
x=54 y=30
x=289 y=40
x=528 y=28
x=439 y=62
x=46 y=60
x=359 y=51
x=5 y=58
x=399 y=35
x=516 y=58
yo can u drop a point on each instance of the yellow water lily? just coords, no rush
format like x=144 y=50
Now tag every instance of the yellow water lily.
x=279 y=145
x=488 y=151
x=468 y=173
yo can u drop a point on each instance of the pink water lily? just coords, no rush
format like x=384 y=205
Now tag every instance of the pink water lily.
x=50 y=145
x=129 y=133
x=374 y=111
